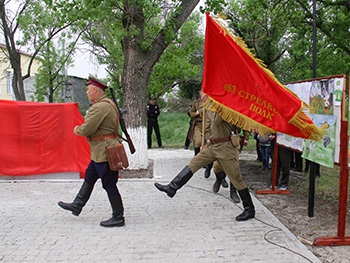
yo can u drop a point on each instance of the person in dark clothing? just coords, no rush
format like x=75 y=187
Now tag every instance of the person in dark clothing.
x=258 y=152
x=153 y=112
x=296 y=161
x=283 y=165
x=265 y=148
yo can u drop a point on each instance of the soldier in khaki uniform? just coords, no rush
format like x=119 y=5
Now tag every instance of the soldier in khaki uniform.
x=221 y=150
x=100 y=127
x=196 y=114
x=219 y=172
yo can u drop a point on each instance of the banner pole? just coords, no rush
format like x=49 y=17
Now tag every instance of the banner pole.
x=203 y=127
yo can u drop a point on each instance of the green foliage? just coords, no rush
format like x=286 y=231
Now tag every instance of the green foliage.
x=189 y=89
x=49 y=81
x=326 y=186
x=43 y=25
x=181 y=62
x=264 y=26
x=173 y=129
x=215 y=6
x=280 y=33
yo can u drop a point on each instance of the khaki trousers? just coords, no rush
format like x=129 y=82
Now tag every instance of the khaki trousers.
x=227 y=157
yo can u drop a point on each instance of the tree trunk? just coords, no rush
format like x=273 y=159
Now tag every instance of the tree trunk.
x=17 y=80
x=134 y=83
x=14 y=55
x=138 y=66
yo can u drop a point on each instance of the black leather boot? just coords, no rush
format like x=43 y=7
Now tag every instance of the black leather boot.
x=233 y=194
x=180 y=180
x=224 y=183
x=117 y=218
x=219 y=177
x=207 y=170
x=79 y=201
x=249 y=209
x=196 y=151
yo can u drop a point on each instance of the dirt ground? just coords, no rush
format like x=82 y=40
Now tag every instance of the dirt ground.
x=291 y=210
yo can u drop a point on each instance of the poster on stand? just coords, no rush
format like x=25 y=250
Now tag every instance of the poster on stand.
x=290 y=141
x=322 y=151
x=324 y=97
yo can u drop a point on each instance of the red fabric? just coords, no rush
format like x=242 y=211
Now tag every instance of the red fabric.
x=234 y=79
x=38 y=138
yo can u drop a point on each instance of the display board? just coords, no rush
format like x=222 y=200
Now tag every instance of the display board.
x=324 y=97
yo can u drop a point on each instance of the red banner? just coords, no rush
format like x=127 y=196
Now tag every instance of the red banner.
x=245 y=92
x=38 y=138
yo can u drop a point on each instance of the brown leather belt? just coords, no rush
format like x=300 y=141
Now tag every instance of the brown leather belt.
x=102 y=137
x=226 y=139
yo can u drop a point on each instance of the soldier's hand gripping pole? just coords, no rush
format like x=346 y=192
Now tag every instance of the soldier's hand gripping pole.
x=122 y=124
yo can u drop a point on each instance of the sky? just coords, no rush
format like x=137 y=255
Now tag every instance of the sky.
x=85 y=65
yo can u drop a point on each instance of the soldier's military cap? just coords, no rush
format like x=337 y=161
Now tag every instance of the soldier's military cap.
x=96 y=82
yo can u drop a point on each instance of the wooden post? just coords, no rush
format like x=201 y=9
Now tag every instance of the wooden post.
x=340 y=239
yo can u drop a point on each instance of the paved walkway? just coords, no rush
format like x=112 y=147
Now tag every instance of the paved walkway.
x=194 y=226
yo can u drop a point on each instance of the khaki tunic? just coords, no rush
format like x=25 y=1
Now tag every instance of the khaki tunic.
x=197 y=134
x=223 y=152
x=246 y=135
x=102 y=117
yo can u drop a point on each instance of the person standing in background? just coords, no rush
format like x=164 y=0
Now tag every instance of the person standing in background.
x=296 y=161
x=258 y=152
x=283 y=166
x=265 y=148
x=153 y=112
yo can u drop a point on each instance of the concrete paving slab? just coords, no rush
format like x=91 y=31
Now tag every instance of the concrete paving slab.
x=196 y=225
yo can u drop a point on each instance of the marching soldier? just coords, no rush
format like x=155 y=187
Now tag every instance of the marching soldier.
x=220 y=174
x=101 y=119
x=196 y=114
x=222 y=150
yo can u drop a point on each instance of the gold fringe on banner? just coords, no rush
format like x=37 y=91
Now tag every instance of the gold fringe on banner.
x=236 y=118
x=310 y=130
x=300 y=120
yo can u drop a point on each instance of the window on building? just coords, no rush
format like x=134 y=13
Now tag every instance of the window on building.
x=9 y=82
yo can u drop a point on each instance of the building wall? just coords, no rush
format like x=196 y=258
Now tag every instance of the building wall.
x=6 y=91
x=74 y=91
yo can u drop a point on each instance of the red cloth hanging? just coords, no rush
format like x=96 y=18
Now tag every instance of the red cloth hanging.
x=38 y=138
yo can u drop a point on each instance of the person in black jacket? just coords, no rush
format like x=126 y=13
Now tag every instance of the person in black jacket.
x=153 y=112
